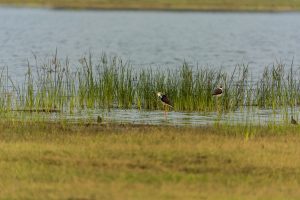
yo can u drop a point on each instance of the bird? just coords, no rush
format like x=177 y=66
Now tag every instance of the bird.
x=293 y=121
x=165 y=101
x=218 y=91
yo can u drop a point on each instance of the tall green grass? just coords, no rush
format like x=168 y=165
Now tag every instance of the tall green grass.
x=113 y=83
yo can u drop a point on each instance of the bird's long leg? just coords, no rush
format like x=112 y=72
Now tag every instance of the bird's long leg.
x=167 y=110
x=217 y=103
x=165 y=113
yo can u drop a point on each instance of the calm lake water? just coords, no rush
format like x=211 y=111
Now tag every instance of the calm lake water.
x=150 y=38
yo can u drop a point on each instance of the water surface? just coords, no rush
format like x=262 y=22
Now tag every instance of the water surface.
x=149 y=38
x=254 y=116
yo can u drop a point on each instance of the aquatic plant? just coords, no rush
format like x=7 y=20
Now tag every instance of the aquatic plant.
x=113 y=83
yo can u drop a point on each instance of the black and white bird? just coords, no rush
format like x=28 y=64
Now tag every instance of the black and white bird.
x=218 y=91
x=164 y=99
x=293 y=121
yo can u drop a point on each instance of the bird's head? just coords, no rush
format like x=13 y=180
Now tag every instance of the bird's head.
x=159 y=94
x=221 y=87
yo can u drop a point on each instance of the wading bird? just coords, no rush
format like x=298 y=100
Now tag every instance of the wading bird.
x=218 y=91
x=165 y=101
x=293 y=121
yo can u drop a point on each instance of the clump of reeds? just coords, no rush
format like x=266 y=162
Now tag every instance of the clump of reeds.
x=112 y=83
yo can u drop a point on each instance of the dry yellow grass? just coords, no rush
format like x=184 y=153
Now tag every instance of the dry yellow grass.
x=63 y=161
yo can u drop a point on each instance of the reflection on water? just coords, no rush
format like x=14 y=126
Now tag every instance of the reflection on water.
x=254 y=116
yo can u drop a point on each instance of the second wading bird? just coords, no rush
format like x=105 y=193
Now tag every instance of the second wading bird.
x=218 y=91
x=165 y=101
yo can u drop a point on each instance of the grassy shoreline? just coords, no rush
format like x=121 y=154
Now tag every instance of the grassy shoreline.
x=177 y=5
x=119 y=161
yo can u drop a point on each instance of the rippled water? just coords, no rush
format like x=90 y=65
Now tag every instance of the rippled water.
x=252 y=116
x=150 y=38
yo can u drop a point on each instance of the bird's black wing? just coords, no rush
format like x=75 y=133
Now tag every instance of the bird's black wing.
x=165 y=99
x=217 y=91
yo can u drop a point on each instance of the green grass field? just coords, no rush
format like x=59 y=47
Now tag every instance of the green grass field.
x=217 y=5
x=65 y=161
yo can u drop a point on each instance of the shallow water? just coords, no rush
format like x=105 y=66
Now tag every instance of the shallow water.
x=254 y=116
